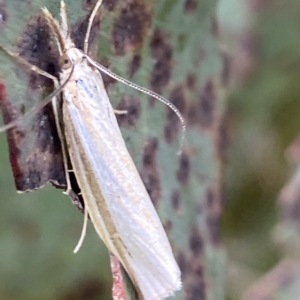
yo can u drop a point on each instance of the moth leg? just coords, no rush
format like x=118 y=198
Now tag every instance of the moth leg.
x=32 y=67
x=36 y=69
x=62 y=142
x=120 y=112
x=83 y=233
x=88 y=31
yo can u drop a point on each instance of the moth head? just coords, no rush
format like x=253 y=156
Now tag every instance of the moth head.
x=65 y=62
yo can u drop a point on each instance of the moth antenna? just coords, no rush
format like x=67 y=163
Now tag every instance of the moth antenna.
x=147 y=92
x=83 y=232
x=88 y=31
x=37 y=107
x=64 y=19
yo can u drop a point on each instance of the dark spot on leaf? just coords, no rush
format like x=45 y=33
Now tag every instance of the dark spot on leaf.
x=173 y=124
x=214 y=204
x=79 y=30
x=213 y=222
x=35 y=153
x=183 y=174
x=36 y=46
x=175 y=200
x=167 y=225
x=194 y=284
x=109 y=4
x=182 y=263
x=134 y=65
x=190 y=81
x=202 y=112
x=3 y=14
x=34 y=146
x=88 y=4
x=196 y=288
x=226 y=68
x=161 y=52
x=133 y=107
x=131 y=26
x=196 y=242
x=107 y=80
x=35 y=164
x=149 y=172
x=190 y=5
x=22 y=109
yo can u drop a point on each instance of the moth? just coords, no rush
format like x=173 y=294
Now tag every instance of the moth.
x=114 y=195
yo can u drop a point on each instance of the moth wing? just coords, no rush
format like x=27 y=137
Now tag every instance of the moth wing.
x=115 y=196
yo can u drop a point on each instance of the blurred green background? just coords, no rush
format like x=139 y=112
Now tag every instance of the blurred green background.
x=260 y=228
x=261 y=231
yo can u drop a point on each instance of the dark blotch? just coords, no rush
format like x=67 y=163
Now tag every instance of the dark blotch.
x=182 y=263
x=226 y=68
x=79 y=30
x=37 y=47
x=192 y=267
x=107 y=80
x=167 y=226
x=15 y=135
x=131 y=27
x=34 y=146
x=173 y=124
x=149 y=172
x=89 y=4
x=190 y=5
x=213 y=222
x=202 y=112
x=39 y=160
x=133 y=107
x=195 y=287
x=213 y=218
x=175 y=200
x=183 y=174
x=22 y=109
x=134 y=65
x=190 y=81
x=3 y=14
x=196 y=242
x=109 y=4
x=162 y=53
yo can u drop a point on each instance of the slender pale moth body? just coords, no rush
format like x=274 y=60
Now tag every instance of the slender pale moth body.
x=114 y=195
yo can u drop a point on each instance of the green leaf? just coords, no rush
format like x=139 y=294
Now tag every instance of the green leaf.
x=171 y=47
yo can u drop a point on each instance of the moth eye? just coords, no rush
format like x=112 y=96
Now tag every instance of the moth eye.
x=65 y=62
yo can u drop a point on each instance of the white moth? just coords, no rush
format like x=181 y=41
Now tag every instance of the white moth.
x=114 y=195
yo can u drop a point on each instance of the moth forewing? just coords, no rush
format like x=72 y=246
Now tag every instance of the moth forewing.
x=115 y=196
